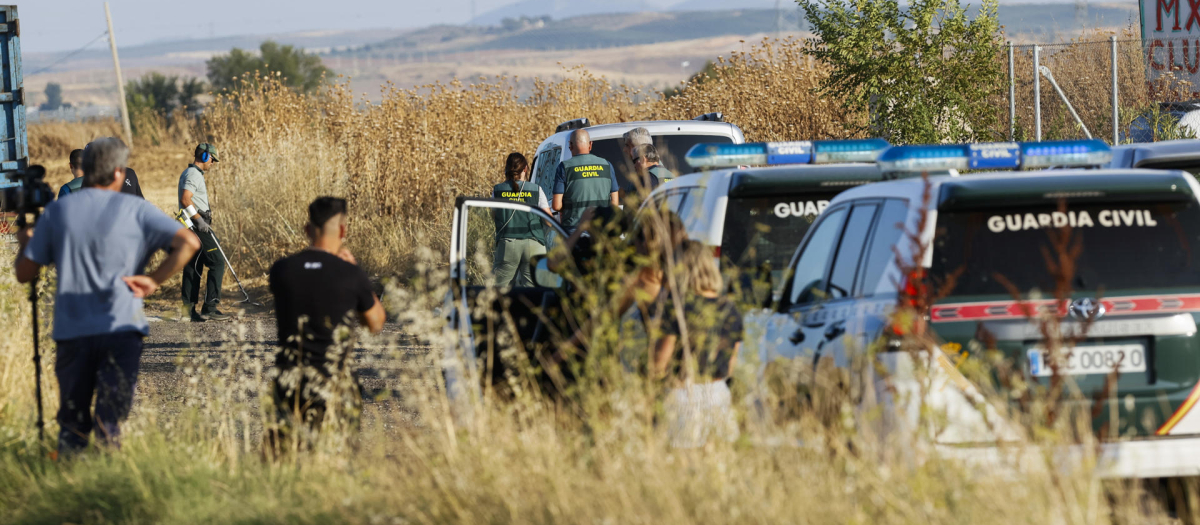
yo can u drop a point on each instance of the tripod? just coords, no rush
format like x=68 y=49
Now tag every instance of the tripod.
x=37 y=355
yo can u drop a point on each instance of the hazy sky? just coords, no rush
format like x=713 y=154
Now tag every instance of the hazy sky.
x=63 y=25
x=59 y=25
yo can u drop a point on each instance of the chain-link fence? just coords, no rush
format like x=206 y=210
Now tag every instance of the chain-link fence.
x=1099 y=86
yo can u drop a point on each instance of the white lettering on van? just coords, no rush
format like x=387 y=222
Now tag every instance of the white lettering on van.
x=1081 y=219
x=784 y=210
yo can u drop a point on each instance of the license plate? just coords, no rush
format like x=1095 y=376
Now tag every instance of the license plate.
x=1087 y=360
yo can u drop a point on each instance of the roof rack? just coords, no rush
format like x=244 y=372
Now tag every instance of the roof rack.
x=715 y=116
x=569 y=125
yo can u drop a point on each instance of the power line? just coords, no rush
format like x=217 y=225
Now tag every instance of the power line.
x=69 y=55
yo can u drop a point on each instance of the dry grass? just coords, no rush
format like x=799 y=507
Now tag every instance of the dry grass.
x=403 y=161
x=599 y=458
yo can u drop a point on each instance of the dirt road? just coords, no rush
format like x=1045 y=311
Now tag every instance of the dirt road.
x=175 y=349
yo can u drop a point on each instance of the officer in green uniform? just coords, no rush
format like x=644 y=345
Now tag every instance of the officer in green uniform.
x=519 y=235
x=649 y=173
x=583 y=181
x=76 y=162
x=193 y=200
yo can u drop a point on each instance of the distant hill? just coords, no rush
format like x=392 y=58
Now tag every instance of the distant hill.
x=1048 y=22
x=559 y=9
x=724 y=5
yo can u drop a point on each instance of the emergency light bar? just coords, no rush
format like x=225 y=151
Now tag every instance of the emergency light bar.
x=995 y=156
x=725 y=155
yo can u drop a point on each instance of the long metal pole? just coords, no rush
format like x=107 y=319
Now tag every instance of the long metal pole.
x=121 y=104
x=1037 y=94
x=1050 y=76
x=1012 y=95
x=1116 y=111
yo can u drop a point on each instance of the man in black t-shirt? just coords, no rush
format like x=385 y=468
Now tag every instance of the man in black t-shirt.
x=319 y=294
x=132 y=186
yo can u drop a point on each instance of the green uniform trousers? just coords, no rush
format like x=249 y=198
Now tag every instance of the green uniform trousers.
x=512 y=262
x=210 y=256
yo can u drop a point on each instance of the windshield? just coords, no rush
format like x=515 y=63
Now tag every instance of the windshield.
x=1191 y=166
x=672 y=149
x=763 y=232
x=1124 y=246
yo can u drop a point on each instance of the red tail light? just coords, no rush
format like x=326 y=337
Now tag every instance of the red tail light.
x=914 y=289
x=909 y=317
x=717 y=252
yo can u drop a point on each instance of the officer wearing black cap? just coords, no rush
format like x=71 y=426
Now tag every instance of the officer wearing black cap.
x=193 y=200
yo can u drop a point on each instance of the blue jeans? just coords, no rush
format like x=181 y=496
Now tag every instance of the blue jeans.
x=101 y=367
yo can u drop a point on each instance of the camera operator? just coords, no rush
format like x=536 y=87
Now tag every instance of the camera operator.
x=99 y=239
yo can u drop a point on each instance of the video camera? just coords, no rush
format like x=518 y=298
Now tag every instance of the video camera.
x=25 y=193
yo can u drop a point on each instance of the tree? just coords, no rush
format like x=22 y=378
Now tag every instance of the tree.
x=54 y=98
x=189 y=90
x=153 y=91
x=925 y=73
x=299 y=70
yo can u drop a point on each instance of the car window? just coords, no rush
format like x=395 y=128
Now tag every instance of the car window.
x=546 y=164
x=762 y=233
x=845 y=265
x=808 y=279
x=671 y=148
x=675 y=200
x=691 y=210
x=1134 y=245
x=1191 y=166
x=888 y=229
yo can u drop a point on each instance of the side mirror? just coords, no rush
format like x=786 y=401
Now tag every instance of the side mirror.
x=542 y=275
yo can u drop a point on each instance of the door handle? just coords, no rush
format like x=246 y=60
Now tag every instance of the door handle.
x=797 y=337
x=835 y=330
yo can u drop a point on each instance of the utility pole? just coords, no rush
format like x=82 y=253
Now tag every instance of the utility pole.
x=121 y=105
x=778 y=19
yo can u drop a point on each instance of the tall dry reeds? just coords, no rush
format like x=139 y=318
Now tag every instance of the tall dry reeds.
x=403 y=160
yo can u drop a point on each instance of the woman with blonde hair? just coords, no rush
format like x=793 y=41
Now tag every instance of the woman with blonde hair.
x=701 y=337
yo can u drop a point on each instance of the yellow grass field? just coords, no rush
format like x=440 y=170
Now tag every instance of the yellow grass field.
x=598 y=457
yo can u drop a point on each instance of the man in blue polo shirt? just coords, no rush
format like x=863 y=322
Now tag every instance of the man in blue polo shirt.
x=100 y=240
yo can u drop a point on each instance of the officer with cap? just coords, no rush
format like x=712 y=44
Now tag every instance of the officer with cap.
x=583 y=181
x=193 y=200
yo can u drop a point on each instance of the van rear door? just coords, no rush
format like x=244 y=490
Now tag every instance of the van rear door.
x=1134 y=294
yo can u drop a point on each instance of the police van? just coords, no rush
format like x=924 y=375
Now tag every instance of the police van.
x=752 y=217
x=757 y=214
x=1135 y=292
x=672 y=138
x=1182 y=154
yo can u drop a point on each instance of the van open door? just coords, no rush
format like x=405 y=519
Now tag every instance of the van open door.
x=499 y=326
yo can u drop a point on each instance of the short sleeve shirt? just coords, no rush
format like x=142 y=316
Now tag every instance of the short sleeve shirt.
x=74 y=185
x=133 y=187
x=316 y=294
x=192 y=179
x=560 y=181
x=94 y=238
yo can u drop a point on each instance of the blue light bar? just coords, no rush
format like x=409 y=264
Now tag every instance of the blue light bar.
x=1064 y=153
x=995 y=156
x=839 y=151
x=725 y=155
